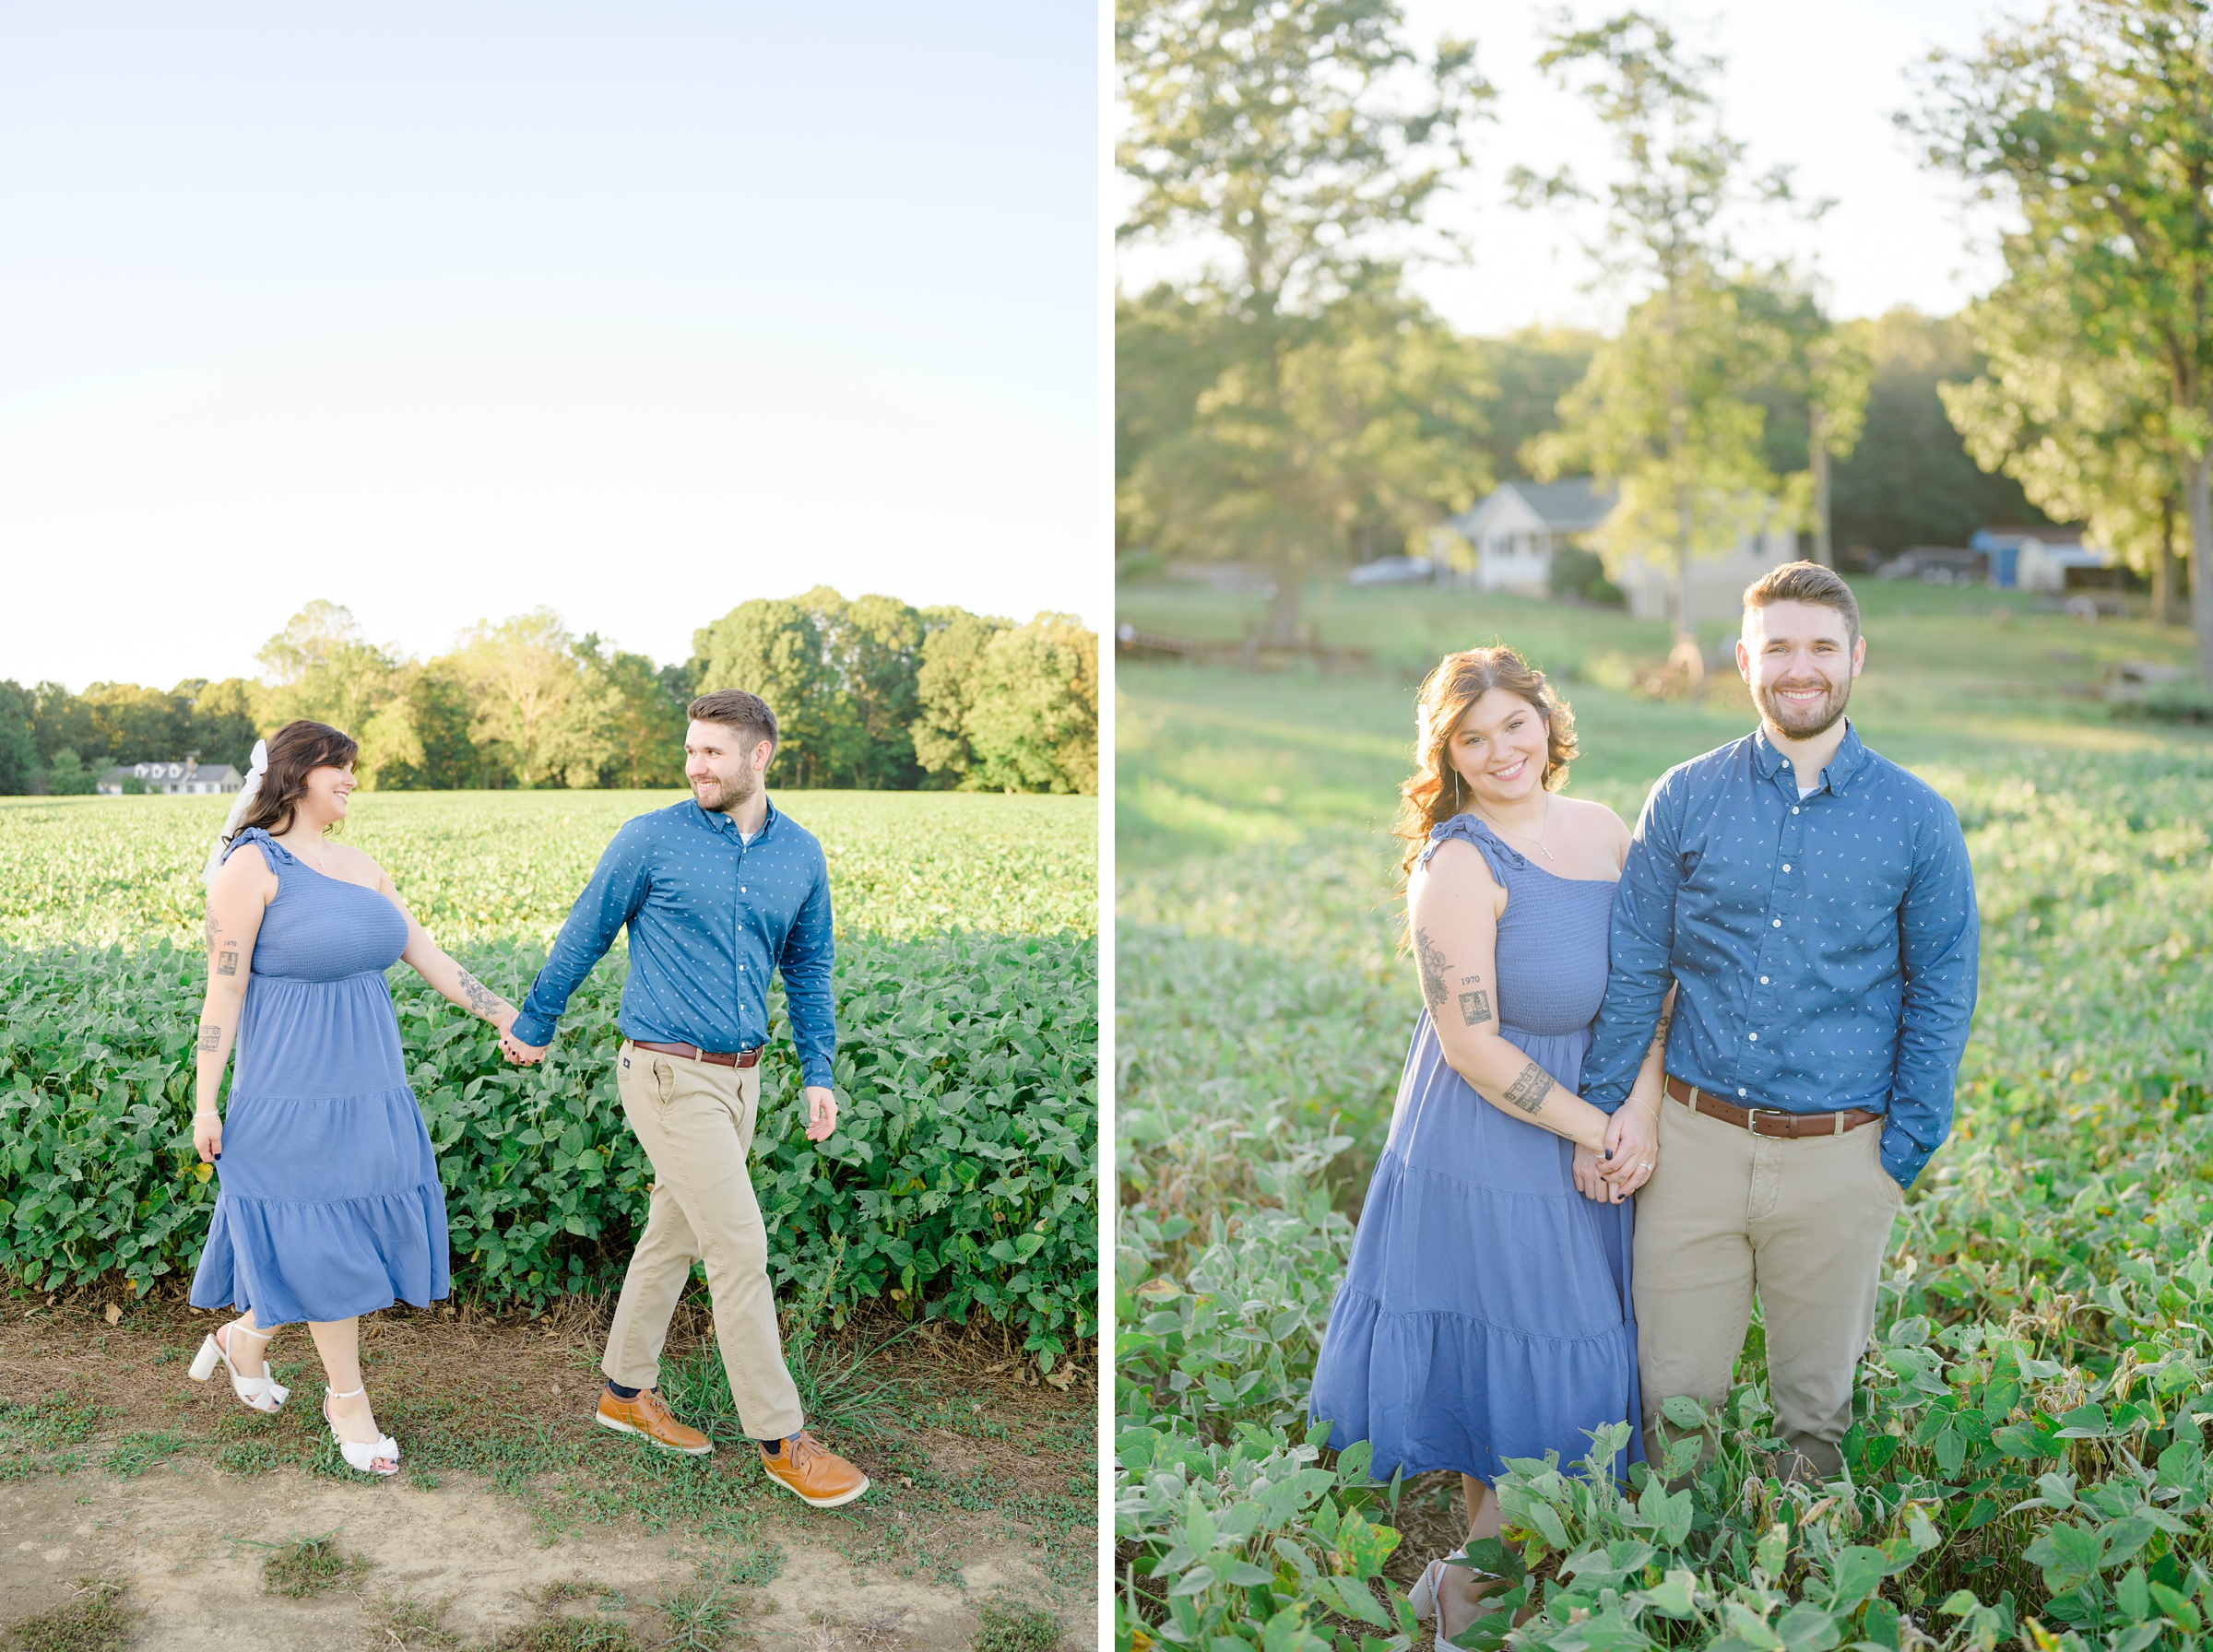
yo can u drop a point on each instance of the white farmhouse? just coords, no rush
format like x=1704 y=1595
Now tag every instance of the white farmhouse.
x=1517 y=525
x=173 y=779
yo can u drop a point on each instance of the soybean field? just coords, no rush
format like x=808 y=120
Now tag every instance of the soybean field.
x=2027 y=1460
x=961 y=1179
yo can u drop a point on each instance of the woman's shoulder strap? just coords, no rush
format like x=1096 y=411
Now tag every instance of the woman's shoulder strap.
x=1497 y=854
x=273 y=852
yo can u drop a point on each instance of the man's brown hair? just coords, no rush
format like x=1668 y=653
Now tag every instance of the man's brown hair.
x=1808 y=581
x=734 y=708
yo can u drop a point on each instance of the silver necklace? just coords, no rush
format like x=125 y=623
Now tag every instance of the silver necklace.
x=1543 y=826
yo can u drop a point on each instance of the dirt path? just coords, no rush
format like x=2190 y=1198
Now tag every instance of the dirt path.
x=513 y=1507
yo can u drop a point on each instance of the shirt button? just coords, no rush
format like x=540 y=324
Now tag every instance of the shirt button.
x=1786 y=865
x=1753 y=1036
x=1793 y=809
x=1777 y=923
x=1763 y=980
x=1740 y=1092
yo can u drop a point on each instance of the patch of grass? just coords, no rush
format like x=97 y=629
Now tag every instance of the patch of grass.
x=700 y=1617
x=140 y=1450
x=753 y=1568
x=97 y=1620
x=397 y=1623
x=1005 y=1624
x=551 y=1632
x=57 y=1420
x=310 y=1566
x=251 y=1457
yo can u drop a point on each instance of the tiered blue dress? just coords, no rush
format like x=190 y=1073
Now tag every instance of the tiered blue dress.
x=329 y=1203
x=1485 y=1312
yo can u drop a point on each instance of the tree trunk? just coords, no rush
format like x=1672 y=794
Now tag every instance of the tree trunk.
x=2198 y=492
x=2162 y=566
x=1280 y=629
x=1818 y=456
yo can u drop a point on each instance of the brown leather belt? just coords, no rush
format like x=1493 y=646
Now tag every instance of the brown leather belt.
x=1768 y=1121
x=692 y=1052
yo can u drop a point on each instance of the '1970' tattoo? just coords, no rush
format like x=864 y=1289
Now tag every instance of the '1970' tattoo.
x=1529 y=1089
x=212 y=1036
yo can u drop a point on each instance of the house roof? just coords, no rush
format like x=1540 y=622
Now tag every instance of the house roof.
x=172 y=774
x=1575 y=505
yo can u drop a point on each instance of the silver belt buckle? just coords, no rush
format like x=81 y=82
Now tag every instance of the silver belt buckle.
x=1752 y=1118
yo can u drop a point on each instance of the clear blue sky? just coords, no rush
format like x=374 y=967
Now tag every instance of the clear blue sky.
x=443 y=312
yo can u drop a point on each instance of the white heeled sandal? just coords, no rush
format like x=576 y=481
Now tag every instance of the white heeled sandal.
x=263 y=1393
x=361 y=1454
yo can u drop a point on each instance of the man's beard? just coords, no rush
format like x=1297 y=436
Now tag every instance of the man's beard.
x=1809 y=723
x=719 y=795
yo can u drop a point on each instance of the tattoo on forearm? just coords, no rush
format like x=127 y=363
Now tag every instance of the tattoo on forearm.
x=481 y=999
x=1429 y=960
x=1528 y=1091
x=226 y=962
x=1660 y=1032
x=1474 y=1007
x=211 y=1037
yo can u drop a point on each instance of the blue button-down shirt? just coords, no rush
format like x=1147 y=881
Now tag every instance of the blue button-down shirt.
x=1824 y=948
x=710 y=916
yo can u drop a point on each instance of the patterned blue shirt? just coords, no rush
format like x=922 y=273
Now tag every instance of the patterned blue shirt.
x=710 y=916
x=1824 y=948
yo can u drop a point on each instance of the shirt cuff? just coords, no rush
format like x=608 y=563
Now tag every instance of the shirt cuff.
x=1902 y=1155
x=533 y=1030
x=814 y=1074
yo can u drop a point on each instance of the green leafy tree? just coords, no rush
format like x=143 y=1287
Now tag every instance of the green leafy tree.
x=70 y=776
x=2084 y=431
x=876 y=648
x=59 y=718
x=1669 y=412
x=644 y=722
x=18 y=739
x=1272 y=139
x=2093 y=122
x=522 y=675
x=319 y=667
x=420 y=740
x=1034 y=723
x=222 y=719
x=1525 y=374
x=1910 y=480
x=133 y=724
x=775 y=648
x=953 y=650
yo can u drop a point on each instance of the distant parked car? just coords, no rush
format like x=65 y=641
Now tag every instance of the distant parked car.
x=1395 y=570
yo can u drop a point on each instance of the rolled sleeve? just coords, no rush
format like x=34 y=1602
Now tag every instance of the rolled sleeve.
x=609 y=901
x=1939 y=953
x=805 y=963
x=1640 y=944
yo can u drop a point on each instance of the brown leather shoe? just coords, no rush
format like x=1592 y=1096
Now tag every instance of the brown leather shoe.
x=812 y=1474
x=648 y=1415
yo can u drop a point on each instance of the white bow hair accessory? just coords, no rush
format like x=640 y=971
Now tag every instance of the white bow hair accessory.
x=255 y=769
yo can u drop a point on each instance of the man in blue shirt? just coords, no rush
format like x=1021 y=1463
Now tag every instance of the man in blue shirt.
x=717 y=893
x=1813 y=904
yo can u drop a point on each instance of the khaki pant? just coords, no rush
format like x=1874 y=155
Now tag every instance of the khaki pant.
x=696 y=1121
x=1806 y=1223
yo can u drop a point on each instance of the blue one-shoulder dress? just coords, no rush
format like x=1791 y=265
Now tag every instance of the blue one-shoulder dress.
x=1485 y=1312
x=329 y=1203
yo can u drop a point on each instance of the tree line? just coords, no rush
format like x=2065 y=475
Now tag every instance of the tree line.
x=871 y=693
x=1292 y=403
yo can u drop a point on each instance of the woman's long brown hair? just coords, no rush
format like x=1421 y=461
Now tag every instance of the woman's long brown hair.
x=1434 y=793
x=295 y=750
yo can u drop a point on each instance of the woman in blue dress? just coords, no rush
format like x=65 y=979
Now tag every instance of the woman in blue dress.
x=329 y=1205
x=1485 y=1313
